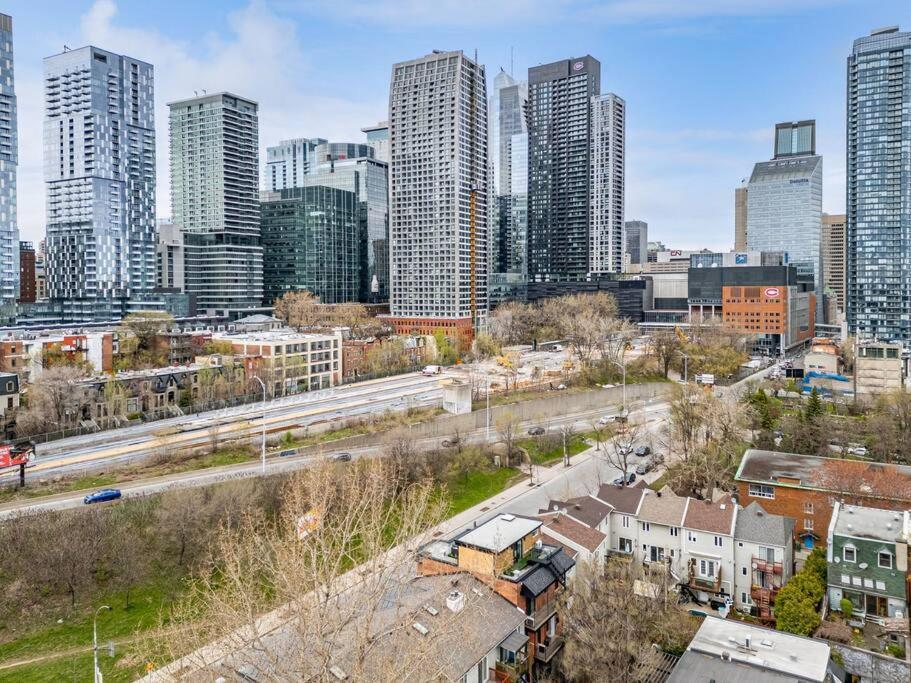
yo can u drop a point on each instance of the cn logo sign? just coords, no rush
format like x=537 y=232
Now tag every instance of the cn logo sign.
x=772 y=292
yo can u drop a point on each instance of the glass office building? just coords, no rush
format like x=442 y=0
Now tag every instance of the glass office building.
x=878 y=222
x=9 y=160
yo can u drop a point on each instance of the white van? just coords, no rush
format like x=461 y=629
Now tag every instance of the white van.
x=432 y=370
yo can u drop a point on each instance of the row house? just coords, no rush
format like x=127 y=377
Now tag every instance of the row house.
x=580 y=542
x=509 y=554
x=806 y=487
x=712 y=549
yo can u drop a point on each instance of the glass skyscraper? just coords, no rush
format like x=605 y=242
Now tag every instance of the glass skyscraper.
x=878 y=225
x=99 y=167
x=215 y=200
x=289 y=161
x=9 y=159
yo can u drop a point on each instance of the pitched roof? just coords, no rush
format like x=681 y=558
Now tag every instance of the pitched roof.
x=716 y=517
x=587 y=509
x=622 y=498
x=758 y=526
x=550 y=540
x=663 y=507
x=544 y=575
x=580 y=534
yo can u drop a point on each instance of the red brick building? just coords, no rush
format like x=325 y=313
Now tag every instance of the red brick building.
x=27 y=293
x=806 y=487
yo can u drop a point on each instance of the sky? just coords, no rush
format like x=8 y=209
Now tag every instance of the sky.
x=705 y=81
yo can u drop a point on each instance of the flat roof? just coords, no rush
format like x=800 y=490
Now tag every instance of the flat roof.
x=273 y=336
x=500 y=532
x=872 y=523
x=769 y=651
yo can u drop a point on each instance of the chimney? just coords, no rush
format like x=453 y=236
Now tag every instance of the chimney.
x=455 y=601
x=748 y=642
x=725 y=656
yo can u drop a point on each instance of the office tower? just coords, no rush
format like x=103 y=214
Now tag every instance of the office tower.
x=170 y=254
x=99 y=167
x=311 y=240
x=740 y=218
x=784 y=201
x=9 y=161
x=378 y=138
x=637 y=241
x=878 y=224
x=215 y=200
x=26 y=273
x=289 y=161
x=438 y=194
x=40 y=271
x=833 y=257
x=575 y=166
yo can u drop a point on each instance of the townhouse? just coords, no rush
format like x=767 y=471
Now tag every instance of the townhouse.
x=707 y=547
x=579 y=541
x=764 y=559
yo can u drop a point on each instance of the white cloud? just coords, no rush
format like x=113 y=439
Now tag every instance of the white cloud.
x=260 y=57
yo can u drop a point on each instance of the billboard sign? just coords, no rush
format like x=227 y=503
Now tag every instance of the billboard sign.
x=772 y=292
x=740 y=259
x=308 y=523
x=11 y=458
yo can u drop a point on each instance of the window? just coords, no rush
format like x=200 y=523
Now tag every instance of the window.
x=744 y=598
x=884 y=559
x=707 y=568
x=849 y=553
x=880 y=585
x=808 y=508
x=718 y=541
x=846 y=579
x=761 y=491
x=856 y=581
x=646 y=526
x=626 y=545
x=624 y=522
x=807 y=524
x=743 y=571
x=690 y=536
x=675 y=531
x=868 y=583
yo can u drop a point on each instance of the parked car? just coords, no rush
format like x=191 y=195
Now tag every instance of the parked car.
x=645 y=466
x=536 y=431
x=287 y=452
x=856 y=449
x=343 y=457
x=558 y=348
x=432 y=370
x=642 y=451
x=450 y=442
x=630 y=478
x=102 y=496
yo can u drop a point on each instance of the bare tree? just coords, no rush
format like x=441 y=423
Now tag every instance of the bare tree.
x=663 y=346
x=56 y=400
x=619 y=450
x=508 y=429
x=567 y=432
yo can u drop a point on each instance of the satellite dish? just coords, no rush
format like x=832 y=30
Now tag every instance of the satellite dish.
x=862 y=565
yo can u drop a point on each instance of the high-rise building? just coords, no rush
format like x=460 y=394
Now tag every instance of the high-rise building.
x=170 y=252
x=41 y=272
x=289 y=161
x=215 y=200
x=26 y=273
x=637 y=241
x=575 y=168
x=9 y=161
x=378 y=138
x=833 y=257
x=784 y=201
x=99 y=167
x=311 y=240
x=438 y=192
x=740 y=218
x=878 y=206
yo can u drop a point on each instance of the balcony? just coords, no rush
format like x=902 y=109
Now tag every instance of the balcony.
x=545 y=651
x=764 y=596
x=512 y=672
x=701 y=582
x=765 y=566
x=542 y=613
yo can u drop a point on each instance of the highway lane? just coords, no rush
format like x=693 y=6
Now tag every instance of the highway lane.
x=650 y=413
x=118 y=446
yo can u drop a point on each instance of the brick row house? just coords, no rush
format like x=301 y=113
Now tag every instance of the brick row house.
x=509 y=554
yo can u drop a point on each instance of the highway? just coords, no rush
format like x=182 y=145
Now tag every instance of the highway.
x=117 y=446
x=651 y=413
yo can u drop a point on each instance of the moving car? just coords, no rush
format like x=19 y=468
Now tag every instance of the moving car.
x=287 y=452
x=606 y=420
x=102 y=496
x=432 y=370
x=642 y=451
x=343 y=457
x=450 y=442
x=630 y=478
x=536 y=431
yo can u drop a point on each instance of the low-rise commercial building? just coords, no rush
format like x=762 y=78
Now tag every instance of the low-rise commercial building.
x=878 y=369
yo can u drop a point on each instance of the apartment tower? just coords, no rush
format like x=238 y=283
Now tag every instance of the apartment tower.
x=9 y=160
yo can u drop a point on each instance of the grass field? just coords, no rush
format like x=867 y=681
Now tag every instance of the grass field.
x=545 y=452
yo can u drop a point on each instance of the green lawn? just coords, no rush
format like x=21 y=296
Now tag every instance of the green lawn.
x=468 y=491
x=540 y=454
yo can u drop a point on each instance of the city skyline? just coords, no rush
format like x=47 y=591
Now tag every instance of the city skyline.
x=265 y=52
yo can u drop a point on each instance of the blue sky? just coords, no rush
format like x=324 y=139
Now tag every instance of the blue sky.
x=705 y=80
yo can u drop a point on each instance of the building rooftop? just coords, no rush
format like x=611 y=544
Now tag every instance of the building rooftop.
x=576 y=532
x=586 y=509
x=871 y=523
x=758 y=526
x=499 y=533
x=716 y=517
x=623 y=498
x=273 y=336
x=786 y=168
x=664 y=507
x=729 y=650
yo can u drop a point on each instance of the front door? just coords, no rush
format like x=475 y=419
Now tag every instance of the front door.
x=808 y=542
x=877 y=605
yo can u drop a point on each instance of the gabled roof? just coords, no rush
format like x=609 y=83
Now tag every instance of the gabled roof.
x=586 y=509
x=576 y=532
x=716 y=517
x=758 y=526
x=624 y=499
x=546 y=574
x=663 y=507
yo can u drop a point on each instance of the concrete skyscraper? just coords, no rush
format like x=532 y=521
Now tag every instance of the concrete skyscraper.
x=784 y=201
x=9 y=161
x=636 y=241
x=740 y=218
x=99 y=166
x=438 y=194
x=378 y=138
x=215 y=200
x=575 y=167
x=833 y=257
x=878 y=206
x=289 y=161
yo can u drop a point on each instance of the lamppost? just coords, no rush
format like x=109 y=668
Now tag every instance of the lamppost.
x=622 y=366
x=96 y=673
x=686 y=360
x=488 y=408
x=263 y=385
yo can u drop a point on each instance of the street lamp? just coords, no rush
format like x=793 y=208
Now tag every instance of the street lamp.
x=686 y=360
x=622 y=366
x=96 y=673
x=488 y=408
x=263 y=385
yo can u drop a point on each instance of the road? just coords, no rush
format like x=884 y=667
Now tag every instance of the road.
x=118 y=446
x=651 y=413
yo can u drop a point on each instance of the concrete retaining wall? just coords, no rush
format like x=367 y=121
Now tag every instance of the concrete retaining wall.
x=872 y=667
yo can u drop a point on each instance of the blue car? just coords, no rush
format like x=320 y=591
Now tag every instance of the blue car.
x=102 y=496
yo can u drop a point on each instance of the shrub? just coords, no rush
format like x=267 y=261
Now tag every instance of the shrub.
x=847 y=608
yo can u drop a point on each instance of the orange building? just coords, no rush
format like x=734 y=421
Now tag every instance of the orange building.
x=785 y=312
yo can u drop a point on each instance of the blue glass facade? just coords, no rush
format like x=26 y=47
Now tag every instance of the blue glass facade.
x=9 y=228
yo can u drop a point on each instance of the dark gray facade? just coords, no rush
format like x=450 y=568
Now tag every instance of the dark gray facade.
x=628 y=293
x=636 y=241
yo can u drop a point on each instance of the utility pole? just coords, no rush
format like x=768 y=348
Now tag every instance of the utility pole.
x=97 y=678
x=263 y=385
